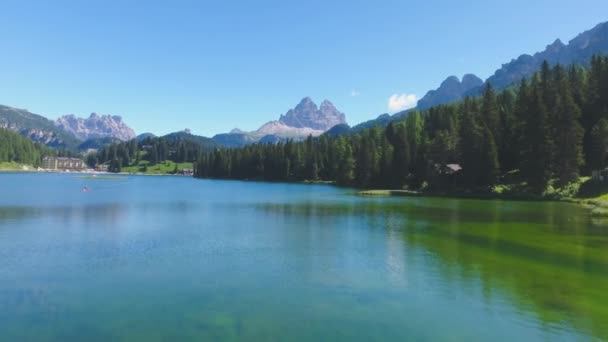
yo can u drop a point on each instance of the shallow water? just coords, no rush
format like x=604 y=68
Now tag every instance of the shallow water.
x=172 y=258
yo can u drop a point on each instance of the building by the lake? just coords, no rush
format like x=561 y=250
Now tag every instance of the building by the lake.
x=186 y=172
x=63 y=163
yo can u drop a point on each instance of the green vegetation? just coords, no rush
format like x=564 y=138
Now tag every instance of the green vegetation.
x=388 y=193
x=12 y=166
x=532 y=141
x=166 y=155
x=103 y=177
x=16 y=150
x=163 y=168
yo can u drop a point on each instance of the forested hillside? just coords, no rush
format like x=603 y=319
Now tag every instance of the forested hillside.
x=179 y=147
x=15 y=148
x=552 y=128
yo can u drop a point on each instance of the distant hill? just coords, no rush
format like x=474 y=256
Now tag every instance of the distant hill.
x=234 y=139
x=337 y=130
x=143 y=136
x=206 y=144
x=382 y=120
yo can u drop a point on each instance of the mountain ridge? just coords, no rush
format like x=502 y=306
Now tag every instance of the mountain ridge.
x=579 y=50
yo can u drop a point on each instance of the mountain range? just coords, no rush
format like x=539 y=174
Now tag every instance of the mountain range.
x=298 y=123
x=306 y=118
x=96 y=126
x=579 y=50
x=67 y=132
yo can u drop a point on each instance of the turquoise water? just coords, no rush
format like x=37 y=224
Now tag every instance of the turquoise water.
x=172 y=258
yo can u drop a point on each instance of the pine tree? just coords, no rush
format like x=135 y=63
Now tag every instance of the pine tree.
x=489 y=168
x=346 y=168
x=490 y=112
x=568 y=136
x=507 y=144
x=470 y=147
x=598 y=149
x=537 y=147
x=396 y=135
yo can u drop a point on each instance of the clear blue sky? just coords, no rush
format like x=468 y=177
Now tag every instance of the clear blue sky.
x=214 y=65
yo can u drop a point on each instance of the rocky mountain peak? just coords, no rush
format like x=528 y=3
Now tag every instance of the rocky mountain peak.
x=307 y=115
x=96 y=126
x=556 y=47
x=450 y=81
x=304 y=120
x=327 y=105
x=305 y=105
x=470 y=81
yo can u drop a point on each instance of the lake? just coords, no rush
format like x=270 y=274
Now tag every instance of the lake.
x=175 y=258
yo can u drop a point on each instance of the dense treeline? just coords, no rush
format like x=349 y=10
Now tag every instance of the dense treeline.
x=154 y=150
x=16 y=148
x=551 y=127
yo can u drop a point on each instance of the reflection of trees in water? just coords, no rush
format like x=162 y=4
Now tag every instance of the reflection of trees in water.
x=546 y=258
x=553 y=266
x=100 y=213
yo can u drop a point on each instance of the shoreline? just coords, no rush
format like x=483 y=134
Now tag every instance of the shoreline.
x=597 y=206
x=34 y=170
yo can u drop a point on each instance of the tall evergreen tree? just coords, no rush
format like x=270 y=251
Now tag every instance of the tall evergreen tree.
x=598 y=149
x=537 y=145
x=489 y=168
x=490 y=112
x=568 y=135
x=471 y=137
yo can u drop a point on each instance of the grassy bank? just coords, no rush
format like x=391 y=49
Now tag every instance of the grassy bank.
x=584 y=191
x=164 y=168
x=389 y=193
x=96 y=177
x=595 y=197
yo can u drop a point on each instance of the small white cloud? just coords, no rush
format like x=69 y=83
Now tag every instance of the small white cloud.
x=354 y=93
x=401 y=102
